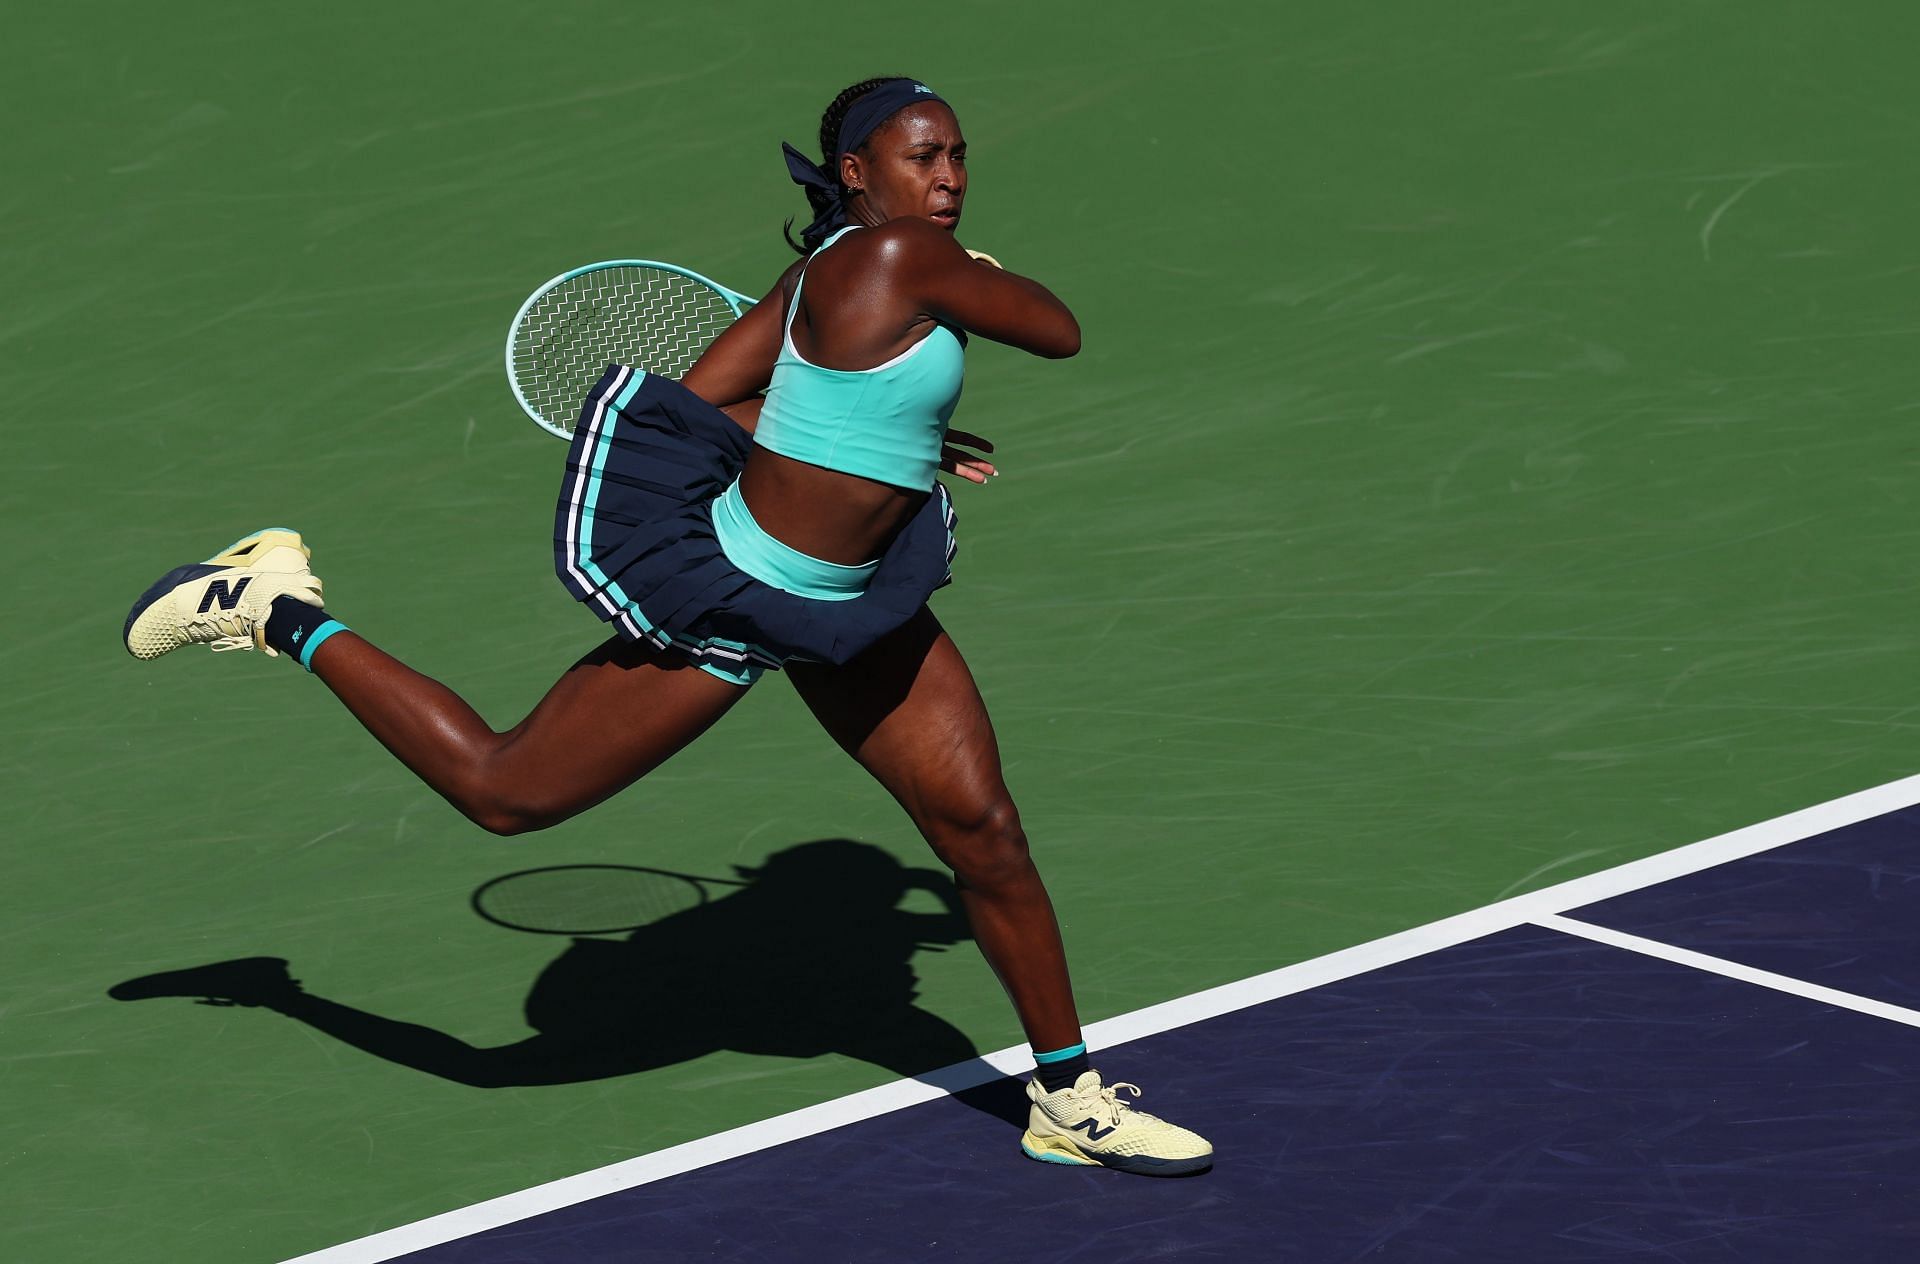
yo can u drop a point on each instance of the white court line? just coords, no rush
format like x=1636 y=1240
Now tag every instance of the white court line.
x=1166 y=1016
x=1731 y=969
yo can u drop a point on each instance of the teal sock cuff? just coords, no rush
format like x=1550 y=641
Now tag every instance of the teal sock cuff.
x=319 y=635
x=1061 y=1055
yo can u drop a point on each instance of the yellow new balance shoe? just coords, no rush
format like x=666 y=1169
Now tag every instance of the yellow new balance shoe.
x=224 y=601
x=1089 y=1125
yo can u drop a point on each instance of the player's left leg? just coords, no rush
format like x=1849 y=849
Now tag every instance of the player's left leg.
x=908 y=710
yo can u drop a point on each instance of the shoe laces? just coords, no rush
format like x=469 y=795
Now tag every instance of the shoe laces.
x=1110 y=1106
x=230 y=624
x=234 y=626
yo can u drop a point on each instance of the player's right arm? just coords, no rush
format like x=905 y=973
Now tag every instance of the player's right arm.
x=738 y=364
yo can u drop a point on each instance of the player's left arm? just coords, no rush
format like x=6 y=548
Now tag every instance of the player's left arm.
x=968 y=465
x=738 y=364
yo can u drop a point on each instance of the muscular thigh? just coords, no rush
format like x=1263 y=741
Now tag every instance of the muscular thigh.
x=613 y=717
x=908 y=710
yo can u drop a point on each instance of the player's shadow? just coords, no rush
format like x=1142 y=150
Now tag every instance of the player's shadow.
x=808 y=955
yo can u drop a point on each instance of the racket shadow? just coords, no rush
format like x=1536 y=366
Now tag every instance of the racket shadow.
x=810 y=954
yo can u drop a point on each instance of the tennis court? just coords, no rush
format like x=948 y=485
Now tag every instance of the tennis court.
x=1523 y=1081
x=1489 y=467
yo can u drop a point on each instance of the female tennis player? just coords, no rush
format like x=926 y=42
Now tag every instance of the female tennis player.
x=777 y=508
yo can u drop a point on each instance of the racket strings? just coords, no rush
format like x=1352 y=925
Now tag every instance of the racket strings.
x=647 y=318
x=583 y=900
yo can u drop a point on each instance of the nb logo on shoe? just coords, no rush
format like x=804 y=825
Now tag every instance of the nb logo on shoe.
x=1092 y=1128
x=218 y=591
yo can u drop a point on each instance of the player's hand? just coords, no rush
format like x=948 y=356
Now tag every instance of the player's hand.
x=975 y=469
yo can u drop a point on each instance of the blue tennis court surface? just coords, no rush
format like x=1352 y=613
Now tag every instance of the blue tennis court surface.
x=1841 y=910
x=1519 y=1094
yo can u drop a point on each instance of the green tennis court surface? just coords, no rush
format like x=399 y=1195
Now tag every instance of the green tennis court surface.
x=1489 y=464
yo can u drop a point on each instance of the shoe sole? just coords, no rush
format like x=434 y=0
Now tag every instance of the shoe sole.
x=234 y=555
x=1062 y=1150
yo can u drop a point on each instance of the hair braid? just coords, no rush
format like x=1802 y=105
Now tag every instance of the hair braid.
x=830 y=121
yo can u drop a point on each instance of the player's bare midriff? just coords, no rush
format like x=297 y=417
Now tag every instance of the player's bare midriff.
x=841 y=518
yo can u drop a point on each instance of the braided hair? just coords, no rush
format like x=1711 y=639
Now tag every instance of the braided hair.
x=830 y=122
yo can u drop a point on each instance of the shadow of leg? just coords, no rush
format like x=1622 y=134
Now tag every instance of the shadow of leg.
x=919 y=1045
x=548 y=1058
x=246 y=981
x=578 y=1053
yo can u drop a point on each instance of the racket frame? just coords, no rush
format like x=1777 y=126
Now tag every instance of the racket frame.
x=477 y=901
x=737 y=301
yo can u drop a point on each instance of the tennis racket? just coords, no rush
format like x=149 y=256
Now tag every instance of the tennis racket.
x=652 y=316
x=590 y=899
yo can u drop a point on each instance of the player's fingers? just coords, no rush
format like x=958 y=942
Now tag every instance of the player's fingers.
x=971 y=468
x=968 y=440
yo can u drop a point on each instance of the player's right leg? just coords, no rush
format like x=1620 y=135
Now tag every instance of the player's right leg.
x=223 y=601
x=611 y=718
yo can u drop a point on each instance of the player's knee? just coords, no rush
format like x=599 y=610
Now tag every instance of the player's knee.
x=508 y=814
x=984 y=847
x=502 y=798
x=506 y=822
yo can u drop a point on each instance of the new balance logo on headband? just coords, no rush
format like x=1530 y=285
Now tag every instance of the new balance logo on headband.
x=217 y=591
x=921 y=87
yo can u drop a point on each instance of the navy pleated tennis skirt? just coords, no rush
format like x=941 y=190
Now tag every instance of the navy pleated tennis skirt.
x=634 y=540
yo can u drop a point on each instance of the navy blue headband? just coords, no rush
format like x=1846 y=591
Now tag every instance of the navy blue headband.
x=867 y=113
x=863 y=119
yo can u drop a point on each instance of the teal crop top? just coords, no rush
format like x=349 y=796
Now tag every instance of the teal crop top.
x=885 y=423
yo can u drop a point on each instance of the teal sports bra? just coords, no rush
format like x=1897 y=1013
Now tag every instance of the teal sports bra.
x=885 y=423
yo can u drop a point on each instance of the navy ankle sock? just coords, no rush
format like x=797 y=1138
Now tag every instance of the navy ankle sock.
x=296 y=629
x=1059 y=1069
